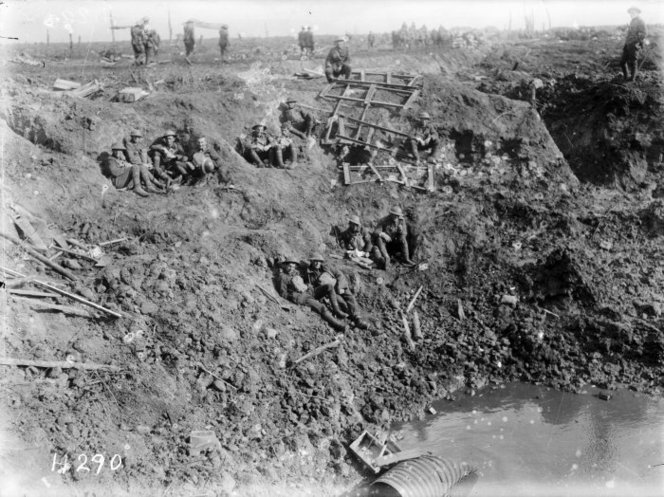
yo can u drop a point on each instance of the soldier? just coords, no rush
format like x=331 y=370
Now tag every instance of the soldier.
x=138 y=37
x=333 y=284
x=258 y=148
x=189 y=38
x=291 y=286
x=224 y=41
x=135 y=152
x=636 y=34
x=390 y=239
x=301 y=39
x=337 y=61
x=355 y=238
x=205 y=161
x=152 y=41
x=168 y=157
x=425 y=137
x=371 y=39
x=125 y=175
x=309 y=42
x=284 y=155
x=301 y=122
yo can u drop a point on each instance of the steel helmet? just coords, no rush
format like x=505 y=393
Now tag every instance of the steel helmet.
x=118 y=146
x=424 y=115
x=354 y=220
x=316 y=257
x=396 y=211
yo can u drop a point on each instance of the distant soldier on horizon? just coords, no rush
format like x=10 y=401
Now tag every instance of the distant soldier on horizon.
x=301 y=37
x=224 y=42
x=636 y=34
x=189 y=38
x=138 y=38
x=152 y=41
x=309 y=42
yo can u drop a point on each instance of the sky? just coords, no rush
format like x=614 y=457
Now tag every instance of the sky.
x=29 y=20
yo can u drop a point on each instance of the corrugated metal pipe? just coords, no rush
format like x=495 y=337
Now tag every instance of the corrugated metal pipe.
x=424 y=476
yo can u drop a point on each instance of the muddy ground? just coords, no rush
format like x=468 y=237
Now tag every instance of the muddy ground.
x=558 y=205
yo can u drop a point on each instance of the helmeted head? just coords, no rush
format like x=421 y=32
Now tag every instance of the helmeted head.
x=633 y=11
x=290 y=101
x=354 y=221
x=340 y=41
x=224 y=26
x=289 y=264
x=170 y=136
x=316 y=260
x=202 y=143
x=258 y=129
x=118 y=150
x=145 y=21
x=136 y=135
x=396 y=212
x=308 y=28
x=424 y=116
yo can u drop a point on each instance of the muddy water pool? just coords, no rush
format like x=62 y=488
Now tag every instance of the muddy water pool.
x=528 y=440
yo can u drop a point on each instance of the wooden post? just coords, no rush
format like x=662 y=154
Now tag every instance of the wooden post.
x=170 y=29
x=110 y=15
x=71 y=45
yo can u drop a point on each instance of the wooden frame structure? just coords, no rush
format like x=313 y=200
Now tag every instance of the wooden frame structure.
x=367 y=90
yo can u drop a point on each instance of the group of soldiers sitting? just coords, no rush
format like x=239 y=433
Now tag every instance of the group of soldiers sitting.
x=170 y=160
x=281 y=150
x=317 y=285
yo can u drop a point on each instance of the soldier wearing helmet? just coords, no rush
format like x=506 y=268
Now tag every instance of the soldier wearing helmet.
x=168 y=158
x=390 y=239
x=355 y=237
x=126 y=175
x=308 y=42
x=189 y=38
x=206 y=161
x=138 y=37
x=301 y=122
x=636 y=35
x=135 y=151
x=224 y=41
x=330 y=283
x=424 y=138
x=337 y=62
x=259 y=147
x=291 y=285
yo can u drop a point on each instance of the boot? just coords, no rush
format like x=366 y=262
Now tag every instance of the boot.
x=336 y=324
x=360 y=323
x=136 y=177
x=335 y=306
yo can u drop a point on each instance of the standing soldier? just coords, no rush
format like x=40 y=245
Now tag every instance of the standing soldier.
x=309 y=42
x=138 y=36
x=189 y=38
x=224 y=42
x=338 y=60
x=152 y=41
x=636 y=34
x=371 y=39
x=301 y=39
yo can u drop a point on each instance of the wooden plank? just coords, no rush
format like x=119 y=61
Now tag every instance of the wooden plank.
x=361 y=100
x=411 y=100
x=430 y=184
x=388 y=77
x=382 y=128
x=347 y=180
x=353 y=141
x=9 y=361
x=379 y=84
x=55 y=307
x=370 y=94
x=403 y=174
x=33 y=293
x=326 y=90
x=375 y=171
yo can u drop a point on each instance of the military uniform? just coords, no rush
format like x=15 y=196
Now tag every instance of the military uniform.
x=355 y=238
x=293 y=288
x=169 y=159
x=337 y=63
x=309 y=41
x=258 y=149
x=189 y=38
x=223 y=41
x=138 y=42
x=135 y=152
x=152 y=41
x=393 y=227
x=636 y=34
x=424 y=138
x=301 y=122
x=284 y=148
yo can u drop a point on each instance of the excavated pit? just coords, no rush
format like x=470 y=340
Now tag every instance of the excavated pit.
x=208 y=348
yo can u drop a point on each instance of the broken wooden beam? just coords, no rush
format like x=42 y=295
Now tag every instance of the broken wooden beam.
x=72 y=296
x=412 y=301
x=417 y=330
x=406 y=332
x=382 y=128
x=45 y=260
x=9 y=361
x=65 y=309
x=318 y=350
